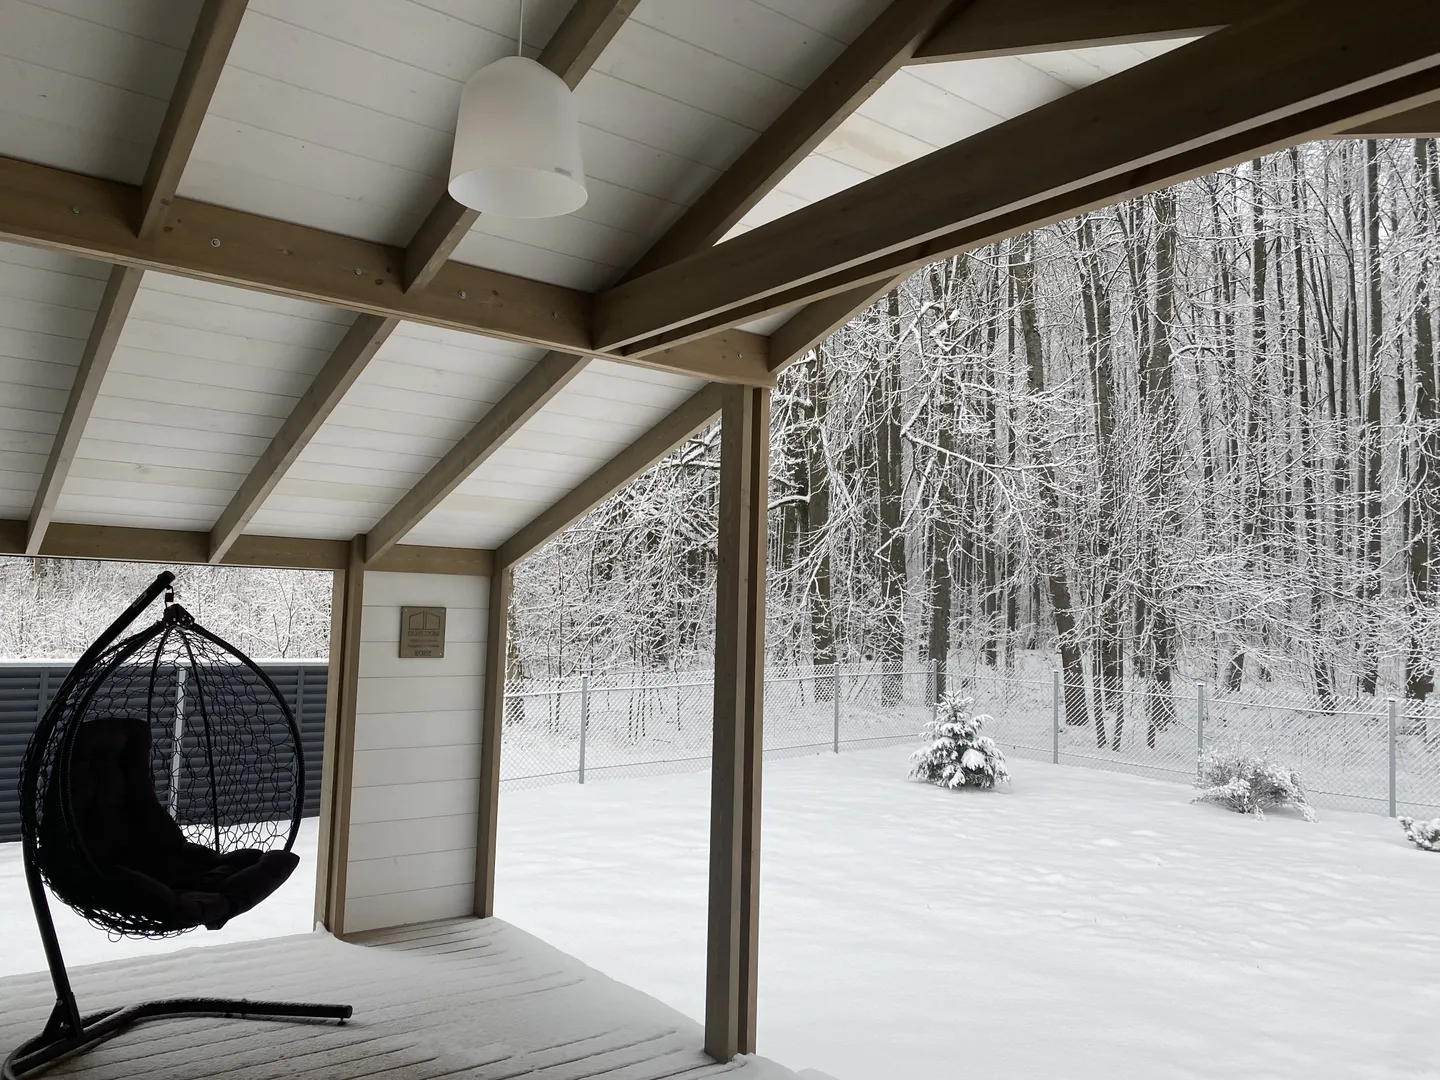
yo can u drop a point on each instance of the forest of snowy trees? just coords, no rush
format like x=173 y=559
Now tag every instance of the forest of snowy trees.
x=1192 y=435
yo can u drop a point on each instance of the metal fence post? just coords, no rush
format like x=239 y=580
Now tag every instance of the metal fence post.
x=1056 y=696
x=835 y=695
x=1201 y=704
x=584 y=720
x=1393 y=707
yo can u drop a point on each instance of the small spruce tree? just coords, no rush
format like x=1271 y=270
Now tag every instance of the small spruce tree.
x=956 y=754
x=1423 y=834
x=1237 y=778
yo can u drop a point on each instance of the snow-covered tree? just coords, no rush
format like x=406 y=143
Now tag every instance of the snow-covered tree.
x=956 y=754
x=1247 y=782
x=1423 y=834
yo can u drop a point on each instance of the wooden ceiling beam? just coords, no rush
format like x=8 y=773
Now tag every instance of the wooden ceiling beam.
x=819 y=320
x=1280 y=78
x=204 y=60
x=1015 y=27
x=527 y=397
x=71 y=541
x=1421 y=123
x=885 y=46
x=665 y=436
x=358 y=347
x=63 y=211
x=572 y=51
x=115 y=304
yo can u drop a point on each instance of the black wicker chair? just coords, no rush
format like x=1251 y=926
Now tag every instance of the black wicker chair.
x=161 y=792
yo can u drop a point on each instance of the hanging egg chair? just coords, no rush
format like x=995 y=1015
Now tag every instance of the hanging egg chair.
x=161 y=792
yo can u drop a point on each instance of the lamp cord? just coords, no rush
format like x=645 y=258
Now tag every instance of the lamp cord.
x=520 y=38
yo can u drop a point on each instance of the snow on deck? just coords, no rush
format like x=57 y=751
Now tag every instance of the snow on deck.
x=462 y=999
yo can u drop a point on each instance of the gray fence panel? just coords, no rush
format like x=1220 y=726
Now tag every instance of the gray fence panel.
x=26 y=688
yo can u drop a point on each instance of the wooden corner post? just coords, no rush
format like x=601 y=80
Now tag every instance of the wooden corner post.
x=731 y=963
x=492 y=724
x=337 y=778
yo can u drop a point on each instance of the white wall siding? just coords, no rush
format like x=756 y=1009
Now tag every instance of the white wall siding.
x=417 y=757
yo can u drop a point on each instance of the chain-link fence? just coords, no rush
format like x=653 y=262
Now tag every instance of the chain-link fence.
x=630 y=724
x=1369 y=754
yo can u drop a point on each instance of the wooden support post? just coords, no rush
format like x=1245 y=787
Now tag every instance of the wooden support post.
x=493 y=722
x=730 y=986
x=336 y=785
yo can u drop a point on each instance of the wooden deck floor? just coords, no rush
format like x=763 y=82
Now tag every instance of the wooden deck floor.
x=464 y=999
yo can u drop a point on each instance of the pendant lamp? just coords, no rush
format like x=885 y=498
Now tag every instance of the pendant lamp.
x=517 y=143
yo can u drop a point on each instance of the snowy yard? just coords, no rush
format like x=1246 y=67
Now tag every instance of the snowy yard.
x=1081 y=925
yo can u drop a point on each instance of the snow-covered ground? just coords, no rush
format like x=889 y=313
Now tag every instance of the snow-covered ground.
x=1080 y=925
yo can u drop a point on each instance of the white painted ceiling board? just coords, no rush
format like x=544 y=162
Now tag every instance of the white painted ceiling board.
x=923 y=108
x=425 y=388
x=201 y=379
x=84 y=85
x=47 y=305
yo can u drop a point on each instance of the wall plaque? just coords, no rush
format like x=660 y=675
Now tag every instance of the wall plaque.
x=422 y=632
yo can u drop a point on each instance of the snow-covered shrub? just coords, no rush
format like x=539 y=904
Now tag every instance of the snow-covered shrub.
x=1247 y=782
x=956 y=754
x=1423 y=834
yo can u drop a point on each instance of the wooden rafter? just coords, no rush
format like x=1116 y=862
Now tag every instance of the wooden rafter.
x=65 y=540
x=355 y=351
x=880 y=50
x=1280 y=78
x=209 y=46
x=115 y=303
x=1013 y=27
x=686 y=419
x=64 y=211
x=546 y=379
x=572 y=51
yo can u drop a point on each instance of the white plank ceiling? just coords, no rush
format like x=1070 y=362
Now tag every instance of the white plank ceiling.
x=338 y=114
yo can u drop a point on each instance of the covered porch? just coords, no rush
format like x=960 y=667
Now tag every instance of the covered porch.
x=242 y=323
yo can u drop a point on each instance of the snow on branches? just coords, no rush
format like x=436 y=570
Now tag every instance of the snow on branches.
x=957 y=755
x=1423 y=834
x=1249 y=783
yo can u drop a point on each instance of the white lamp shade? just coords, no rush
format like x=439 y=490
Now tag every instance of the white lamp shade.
x=517 y=143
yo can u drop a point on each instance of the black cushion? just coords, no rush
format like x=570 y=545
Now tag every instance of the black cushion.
x=151 y=867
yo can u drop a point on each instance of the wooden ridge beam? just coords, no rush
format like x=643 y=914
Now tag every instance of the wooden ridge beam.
x=63 y=211
x=572 y=51
x=64 y=540
x=672 y=430
x=1283 y=77
x=527 y=397
x=115 y=305
x=1014 y=27
x=360 y=344
x=204 y=60
x=885 y=46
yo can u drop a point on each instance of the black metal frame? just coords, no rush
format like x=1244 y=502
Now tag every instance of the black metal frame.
x=67 y=1032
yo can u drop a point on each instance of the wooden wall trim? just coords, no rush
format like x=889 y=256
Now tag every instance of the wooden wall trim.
x=337 y=778
x=492 y=725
